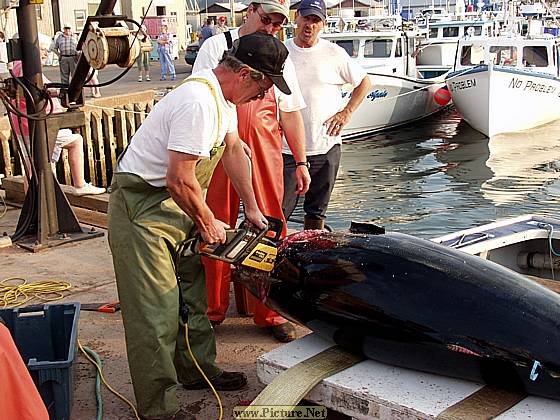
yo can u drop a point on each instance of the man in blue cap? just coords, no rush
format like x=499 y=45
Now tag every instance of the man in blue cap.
x=322 y=68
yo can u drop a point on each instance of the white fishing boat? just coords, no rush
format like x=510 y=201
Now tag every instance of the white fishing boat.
x=528 y=244
x=399 y=94
x=507 y=83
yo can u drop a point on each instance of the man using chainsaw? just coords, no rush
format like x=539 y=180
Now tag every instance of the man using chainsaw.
x=261 y=125
x=157 y=205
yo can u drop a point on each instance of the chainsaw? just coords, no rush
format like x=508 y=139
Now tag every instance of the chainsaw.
x=247 y=245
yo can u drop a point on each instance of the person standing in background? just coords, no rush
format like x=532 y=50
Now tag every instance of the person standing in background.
x=65 y=48
x=221 y=27
x=165 y=53
x=322 y=68
x=143 y=59
x=207 y=30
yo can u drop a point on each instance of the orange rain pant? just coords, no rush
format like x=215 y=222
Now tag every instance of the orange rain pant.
x=19 y=398
x=258 y=126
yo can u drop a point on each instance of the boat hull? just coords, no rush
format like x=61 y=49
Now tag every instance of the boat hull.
x=499 y=99
x=416 y=304
x=393 y=101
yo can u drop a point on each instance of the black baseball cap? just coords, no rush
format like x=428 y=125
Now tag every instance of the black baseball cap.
x=266 y=54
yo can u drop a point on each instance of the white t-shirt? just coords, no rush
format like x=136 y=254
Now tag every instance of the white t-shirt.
x=186 y=121
x=212 y=52
x=322 y=70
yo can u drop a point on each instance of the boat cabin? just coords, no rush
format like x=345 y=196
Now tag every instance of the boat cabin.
x=383 y=52
x=436 y=55
x=433 y=14
x=452 y=31
x=534 y=54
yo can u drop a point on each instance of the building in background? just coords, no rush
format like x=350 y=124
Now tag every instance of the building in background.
x=213 y=9
x=45 y=23
x=75 y=12
x=172 y=13
x=53 y=14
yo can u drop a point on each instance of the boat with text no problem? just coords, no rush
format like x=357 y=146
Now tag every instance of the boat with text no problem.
x=399 y=94
x=508 y=83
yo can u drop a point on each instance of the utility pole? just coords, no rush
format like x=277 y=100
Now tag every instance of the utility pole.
x=232 y=13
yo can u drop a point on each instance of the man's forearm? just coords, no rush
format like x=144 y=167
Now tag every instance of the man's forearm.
x=358 y=95
x=189 y=198
x=292 y=124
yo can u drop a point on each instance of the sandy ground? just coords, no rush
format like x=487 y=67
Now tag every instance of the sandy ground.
x=87 y=266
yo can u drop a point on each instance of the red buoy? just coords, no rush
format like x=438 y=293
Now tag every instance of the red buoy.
x=442 y=96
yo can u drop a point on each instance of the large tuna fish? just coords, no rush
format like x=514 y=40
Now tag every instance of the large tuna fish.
x=414 y=303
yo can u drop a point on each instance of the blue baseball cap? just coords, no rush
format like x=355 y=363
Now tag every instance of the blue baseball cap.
x=313 y=7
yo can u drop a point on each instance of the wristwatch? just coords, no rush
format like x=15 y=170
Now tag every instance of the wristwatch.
x=307 y=164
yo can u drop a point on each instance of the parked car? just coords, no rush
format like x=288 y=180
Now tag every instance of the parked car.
x=192 y=51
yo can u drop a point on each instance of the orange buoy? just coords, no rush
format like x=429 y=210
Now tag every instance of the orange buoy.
x=442 y=96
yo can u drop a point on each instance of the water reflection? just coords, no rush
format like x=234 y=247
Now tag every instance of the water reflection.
x=441 y=175
x=523 y=165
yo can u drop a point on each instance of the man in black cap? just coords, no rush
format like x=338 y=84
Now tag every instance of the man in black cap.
x=157 y=203
x=261 y=125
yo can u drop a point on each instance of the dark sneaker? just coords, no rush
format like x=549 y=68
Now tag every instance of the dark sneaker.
x=284 y=332
x=227 y=381
x=179 y=415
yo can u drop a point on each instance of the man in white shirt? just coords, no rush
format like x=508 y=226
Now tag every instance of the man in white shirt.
x=157 y=208
x=260 y=125
x=322 y=69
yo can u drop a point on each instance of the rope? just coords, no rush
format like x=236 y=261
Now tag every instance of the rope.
x=391 y=98
x=14 y=295
x=109 y=387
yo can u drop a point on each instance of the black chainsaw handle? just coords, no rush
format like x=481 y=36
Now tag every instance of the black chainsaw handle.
x=274 y=225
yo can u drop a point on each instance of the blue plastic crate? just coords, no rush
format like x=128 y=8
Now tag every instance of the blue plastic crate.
x=46 y=339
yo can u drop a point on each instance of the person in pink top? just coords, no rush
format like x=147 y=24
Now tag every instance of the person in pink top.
x=65 y=139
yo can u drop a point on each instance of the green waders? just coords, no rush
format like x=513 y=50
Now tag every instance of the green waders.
x=145 y=229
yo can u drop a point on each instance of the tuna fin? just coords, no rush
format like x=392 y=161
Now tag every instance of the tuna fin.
x=366 y=227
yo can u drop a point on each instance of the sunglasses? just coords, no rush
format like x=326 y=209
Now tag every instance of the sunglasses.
x=266 y=20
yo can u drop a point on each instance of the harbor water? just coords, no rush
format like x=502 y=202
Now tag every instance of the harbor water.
x=440 y=175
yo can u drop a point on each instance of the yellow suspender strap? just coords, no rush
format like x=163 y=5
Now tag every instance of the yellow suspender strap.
x=213 y=91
